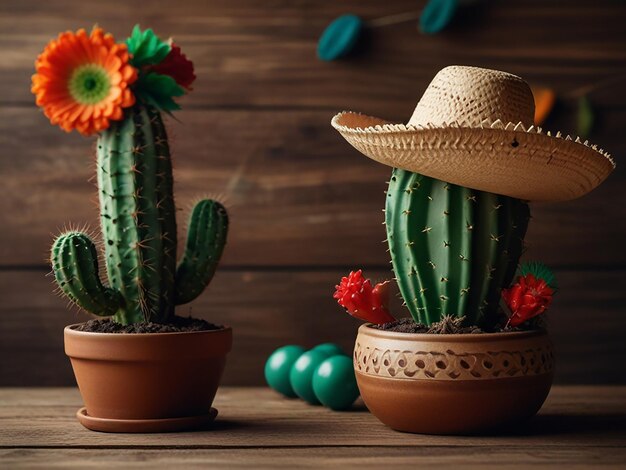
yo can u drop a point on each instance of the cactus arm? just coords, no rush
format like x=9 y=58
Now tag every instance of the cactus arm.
x=206 y=238
x=75 y=265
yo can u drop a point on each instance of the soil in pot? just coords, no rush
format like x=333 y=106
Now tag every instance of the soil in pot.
x=178 y=325
x=450 y=325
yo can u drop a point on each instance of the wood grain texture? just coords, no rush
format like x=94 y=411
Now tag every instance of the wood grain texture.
x=268 y=309
x=297 y=192
x=578 y=427
x=469 y=457
x=262 y=53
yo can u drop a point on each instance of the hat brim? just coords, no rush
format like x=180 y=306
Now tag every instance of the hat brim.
x=500 y=158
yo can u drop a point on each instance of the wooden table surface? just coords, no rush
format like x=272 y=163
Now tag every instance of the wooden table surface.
x=579 y=426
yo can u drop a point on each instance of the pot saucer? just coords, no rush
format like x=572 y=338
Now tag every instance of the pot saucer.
x=186 y=423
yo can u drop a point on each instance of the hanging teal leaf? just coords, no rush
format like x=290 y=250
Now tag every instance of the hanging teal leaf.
x=585 y=117
x=436 y=15
x=158 y=90
x=340 y=37
x=146 y=47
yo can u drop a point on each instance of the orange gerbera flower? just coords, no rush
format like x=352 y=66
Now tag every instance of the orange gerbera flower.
x=82 y=81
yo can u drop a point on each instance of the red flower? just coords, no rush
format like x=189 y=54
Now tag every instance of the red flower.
x=527 y=298
x=177 y=66
x=356 y=295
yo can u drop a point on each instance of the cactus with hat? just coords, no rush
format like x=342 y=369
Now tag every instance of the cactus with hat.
x=464 y=170
x=119 y=90
x=452 y=248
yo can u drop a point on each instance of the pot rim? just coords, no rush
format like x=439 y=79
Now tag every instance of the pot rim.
x=147 y=347
x=69 y=330
x=367 y=329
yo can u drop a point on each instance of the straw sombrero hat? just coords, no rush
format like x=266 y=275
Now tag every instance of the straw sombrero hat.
x=473 y=127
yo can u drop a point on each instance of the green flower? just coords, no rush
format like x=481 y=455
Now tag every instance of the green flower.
x=158 y=90
x=146 y=47
x=153 y=88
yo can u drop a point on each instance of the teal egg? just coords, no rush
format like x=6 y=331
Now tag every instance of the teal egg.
x=331 y=348
x=334 y=383
x=302 y=373
x=339 y=37
x=436 y=15
x=278 y=367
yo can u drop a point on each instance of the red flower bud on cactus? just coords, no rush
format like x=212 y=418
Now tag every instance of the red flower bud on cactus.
x=177 y=66
x=527 y=298
x=356 y=294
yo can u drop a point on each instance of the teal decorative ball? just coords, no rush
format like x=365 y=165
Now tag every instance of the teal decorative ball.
x=278 y=367
x=334 y=383
x=331 y=348
x=302 y=373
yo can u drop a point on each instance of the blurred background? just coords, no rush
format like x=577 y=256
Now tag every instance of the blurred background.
x=305 y=206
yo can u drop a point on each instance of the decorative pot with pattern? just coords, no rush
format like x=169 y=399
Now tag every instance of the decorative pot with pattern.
x=452 y=384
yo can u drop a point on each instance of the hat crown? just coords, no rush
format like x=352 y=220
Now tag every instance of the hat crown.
x=470 y=95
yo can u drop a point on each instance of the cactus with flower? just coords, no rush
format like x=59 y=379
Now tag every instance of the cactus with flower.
x=90 y=83
x=455 y=254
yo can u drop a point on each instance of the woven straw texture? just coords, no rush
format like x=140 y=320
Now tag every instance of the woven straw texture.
x=468 y=129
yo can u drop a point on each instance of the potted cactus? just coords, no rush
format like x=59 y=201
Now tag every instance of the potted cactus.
x=142 y=368
x=475 y=353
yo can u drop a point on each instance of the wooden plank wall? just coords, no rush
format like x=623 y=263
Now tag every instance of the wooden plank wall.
x=305 y=206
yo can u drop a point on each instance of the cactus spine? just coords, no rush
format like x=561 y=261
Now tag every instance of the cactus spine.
x=139 y=230
x=452 y=248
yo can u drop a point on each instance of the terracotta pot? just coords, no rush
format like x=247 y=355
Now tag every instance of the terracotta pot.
x=147 y=382
x=452 y=384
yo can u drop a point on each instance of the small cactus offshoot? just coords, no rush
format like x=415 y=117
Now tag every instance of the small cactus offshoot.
x=75 y=265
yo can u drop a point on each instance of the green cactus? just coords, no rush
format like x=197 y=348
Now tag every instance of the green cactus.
x=75 y=263
x=453 y=249
x=205 y=241
x=139 y=230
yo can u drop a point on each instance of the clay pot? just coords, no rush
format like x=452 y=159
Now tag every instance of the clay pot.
x=148 y=382
x=452 y=384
